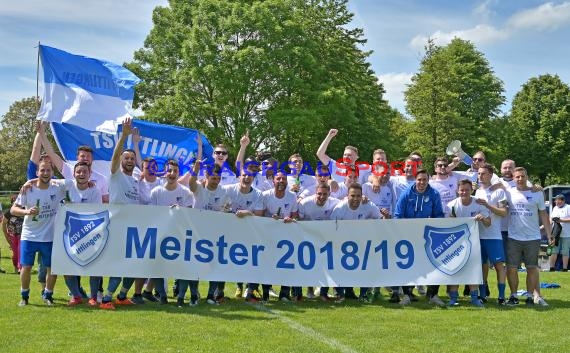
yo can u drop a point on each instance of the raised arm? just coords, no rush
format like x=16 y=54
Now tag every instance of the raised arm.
x=322 y=151
x=136 y=140
x=243 y=143
x=56 y=160
x=119 y=147
x=193 y=182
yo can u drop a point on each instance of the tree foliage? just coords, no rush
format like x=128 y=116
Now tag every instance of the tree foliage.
x=454 y=96
x=17 y=135
x=539 y=127
x=286 y=70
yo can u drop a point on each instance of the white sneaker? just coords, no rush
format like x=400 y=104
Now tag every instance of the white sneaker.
x=436 y=301
x=538 y=300
x=405 y=300
x=273 y=294
x=99 y=297
x=317 y=292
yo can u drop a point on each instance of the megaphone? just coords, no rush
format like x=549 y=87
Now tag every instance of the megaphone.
x=454 y=148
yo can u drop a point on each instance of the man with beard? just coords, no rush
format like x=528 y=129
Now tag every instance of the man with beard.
x=316 y=208
x=443 y=183
x=123 y=189
x=281 y=204
x=354 y=209
x=210 y=196
x=420 y=201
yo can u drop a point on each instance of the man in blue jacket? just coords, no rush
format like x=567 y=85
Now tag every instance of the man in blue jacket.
x=420 y=201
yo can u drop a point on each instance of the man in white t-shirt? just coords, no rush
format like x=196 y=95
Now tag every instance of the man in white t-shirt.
x=170 y=194
x=245 y=200
x=525 y=209
x=78 y=191
x=297 y=181
x=123 y=189
x=443 y=183
x=491 y=239
x=561 y=214
x=280 y=204
x=84 y=154
x=354 y=209
x=38 y=206
x=466 y=206
x=210 y=196
x=338 y=168
x=318 y=207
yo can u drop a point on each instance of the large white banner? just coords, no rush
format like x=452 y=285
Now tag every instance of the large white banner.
x=156 y=241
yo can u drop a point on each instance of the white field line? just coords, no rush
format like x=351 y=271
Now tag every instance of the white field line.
x=307 y=331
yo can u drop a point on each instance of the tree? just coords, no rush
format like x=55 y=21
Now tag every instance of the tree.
x=454 y=96
x=17 y=135
x=286 y=70
x=539 y=127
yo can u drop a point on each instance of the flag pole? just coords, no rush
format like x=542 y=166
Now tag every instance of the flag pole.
x=38 y=76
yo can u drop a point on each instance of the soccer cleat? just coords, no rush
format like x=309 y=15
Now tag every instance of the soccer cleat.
x=107 y=306
x=453 y=302
x=137 y=299
x=482 y=299
x=405 y=300
x=180 y=302
x=272 y=293
x=124 y=301
x=501 y=302
x=513 y=301
x=538 y=300
x=163 y=300
x=210 y=300
x=436 y=301
x=285 y=298
x=239 y=292
x=92 y=302
x=376 y=294
x=149 y=296
x=250 y=298
x=477 y=303
x=339 y=299
x=529 y=301
x=23 y=302
x=413 y=297
x=48 y=299
x=394 y=298
x=75 y=301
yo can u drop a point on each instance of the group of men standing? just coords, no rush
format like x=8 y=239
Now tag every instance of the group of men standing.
x=507 y=208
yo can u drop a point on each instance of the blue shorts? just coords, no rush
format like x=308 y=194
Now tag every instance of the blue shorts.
x=492 y=251
x=28 y=251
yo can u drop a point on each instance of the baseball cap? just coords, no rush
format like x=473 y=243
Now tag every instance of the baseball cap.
x=560 y=196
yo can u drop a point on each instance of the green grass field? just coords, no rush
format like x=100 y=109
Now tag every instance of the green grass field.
x=310 y=326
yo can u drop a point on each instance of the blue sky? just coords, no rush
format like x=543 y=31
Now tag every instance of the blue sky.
x=520 y=39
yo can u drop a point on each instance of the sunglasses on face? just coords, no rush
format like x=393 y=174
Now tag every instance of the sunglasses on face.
x=223 y=153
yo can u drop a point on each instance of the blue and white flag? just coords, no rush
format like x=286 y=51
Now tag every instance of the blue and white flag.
x=94 y=94
x=161 y=142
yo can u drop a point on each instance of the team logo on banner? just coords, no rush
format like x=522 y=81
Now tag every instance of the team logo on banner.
x=85 y=236
x=448 y=249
